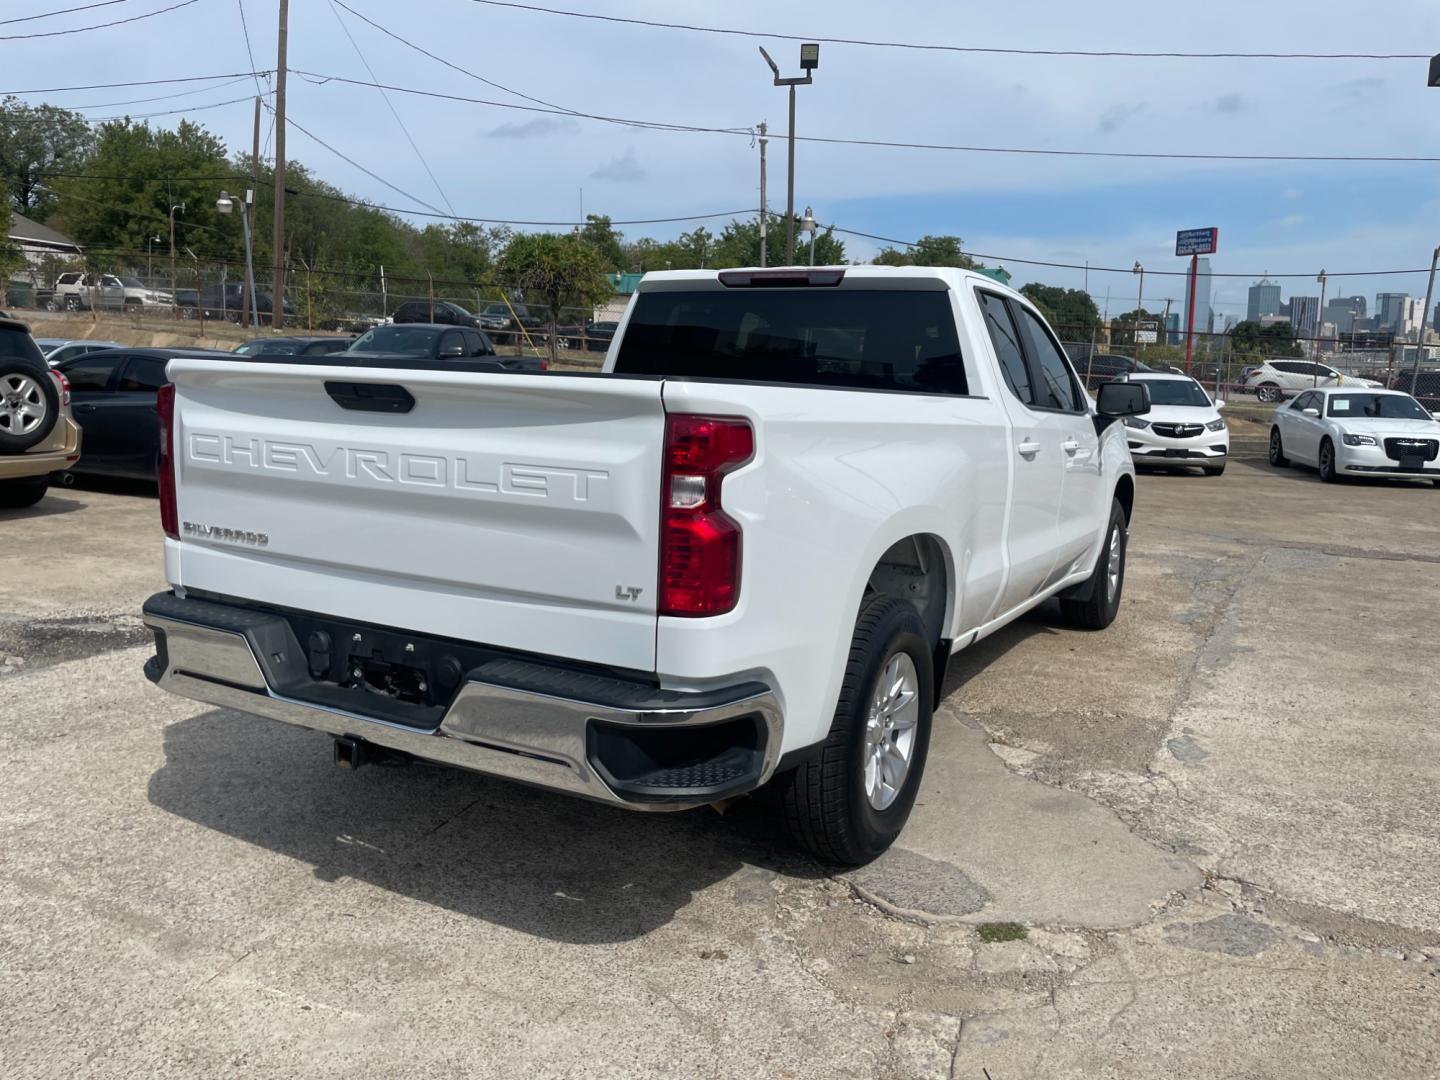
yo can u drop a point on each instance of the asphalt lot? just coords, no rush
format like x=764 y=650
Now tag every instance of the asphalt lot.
x=1218 y=822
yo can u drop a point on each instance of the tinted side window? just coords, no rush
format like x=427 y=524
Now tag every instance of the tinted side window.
x=451 y=339
x=144 y=373
x=1301 y=403
x=1007 y=346
x=1056 y=389
x=92 y=372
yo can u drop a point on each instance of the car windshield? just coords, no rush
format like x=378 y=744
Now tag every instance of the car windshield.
x=1377 y=407
x=406 y=340
x=132 y=282
x=1184 y=392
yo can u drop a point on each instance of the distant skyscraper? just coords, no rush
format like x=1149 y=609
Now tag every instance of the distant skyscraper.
x=1172 y=328
x=1264 y=300
x=1304 y=315
x=1343 y=311
x=1390 y=310
x=1204 y=313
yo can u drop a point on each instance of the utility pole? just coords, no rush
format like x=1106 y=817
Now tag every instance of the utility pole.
x=1139 y=306
x=246 y=289
x=1425 y=311
x=763 y=129
x=1320 y=316
x=809 y=61
x=277 y=286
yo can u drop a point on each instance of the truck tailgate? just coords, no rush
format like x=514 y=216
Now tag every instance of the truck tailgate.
x=512 y=510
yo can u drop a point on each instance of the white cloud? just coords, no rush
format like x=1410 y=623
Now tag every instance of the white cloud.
x=532 y=129
x=1290 y=221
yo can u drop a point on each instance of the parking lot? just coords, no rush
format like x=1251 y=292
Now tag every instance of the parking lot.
x=1203 y=843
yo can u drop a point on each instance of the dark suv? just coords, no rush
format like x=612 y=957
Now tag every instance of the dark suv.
x=438 y=312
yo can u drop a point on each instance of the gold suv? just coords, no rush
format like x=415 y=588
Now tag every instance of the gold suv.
x=38 y=436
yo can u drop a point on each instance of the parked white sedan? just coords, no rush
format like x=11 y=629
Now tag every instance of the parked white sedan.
x=1346 y=432
x=1183 y=426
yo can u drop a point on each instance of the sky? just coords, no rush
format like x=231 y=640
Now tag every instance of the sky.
x=495 y=162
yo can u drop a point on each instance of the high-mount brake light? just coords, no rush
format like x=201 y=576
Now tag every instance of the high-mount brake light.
x=781 y=279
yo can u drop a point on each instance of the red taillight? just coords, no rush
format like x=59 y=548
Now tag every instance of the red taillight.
x=64 y=388
x=699 y=542
x=169 y=512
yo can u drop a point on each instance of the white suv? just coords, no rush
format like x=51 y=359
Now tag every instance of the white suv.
x=1183 y=426
x=75 y=291
x=1277 y=379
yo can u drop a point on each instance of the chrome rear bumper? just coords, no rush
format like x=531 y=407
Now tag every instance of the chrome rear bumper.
x=628 y=744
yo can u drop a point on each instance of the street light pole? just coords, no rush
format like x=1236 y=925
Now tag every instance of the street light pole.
x=807 y=225
x=1139 y=304
x=1320 y=317
x=809 y=61
x=180 y=207
x=764 y=129
x=225 y=204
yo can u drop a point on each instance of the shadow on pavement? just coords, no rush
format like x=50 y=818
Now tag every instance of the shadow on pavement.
x=49 y=506
x=968 y=663
x=545 y=864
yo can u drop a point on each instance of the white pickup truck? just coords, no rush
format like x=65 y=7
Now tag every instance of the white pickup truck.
x=739 y=556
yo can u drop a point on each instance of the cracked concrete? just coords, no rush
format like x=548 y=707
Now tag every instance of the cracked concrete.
x=1216 y=822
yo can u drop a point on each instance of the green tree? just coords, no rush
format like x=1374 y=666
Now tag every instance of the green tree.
x=929 y=251
x=1071 y=311
x=11 y=257
x=562 y=271
x=143 y=173
x=1250 y=339
x=36 y=140
x=601 y=235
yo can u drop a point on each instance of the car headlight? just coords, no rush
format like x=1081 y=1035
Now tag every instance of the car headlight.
x=1216 y=425
x=1359 y=440
x=1136 y=422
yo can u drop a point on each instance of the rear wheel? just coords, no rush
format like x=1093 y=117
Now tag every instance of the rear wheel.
x=1327 y=462
x=1267 y=392
x=18 y=494
x=848 y=805
x=1277 y=450
x=1098 y=601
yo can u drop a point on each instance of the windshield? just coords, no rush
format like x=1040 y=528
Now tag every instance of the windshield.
x=132 y=282
x=406 y=340
x=1377 y=407
x=1184 y=392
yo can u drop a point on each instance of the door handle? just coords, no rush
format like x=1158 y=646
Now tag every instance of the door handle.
x=1029 y=448
x=84 y=408
x=1070 y=446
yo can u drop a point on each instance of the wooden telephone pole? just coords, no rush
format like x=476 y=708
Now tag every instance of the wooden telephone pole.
x=277 y=288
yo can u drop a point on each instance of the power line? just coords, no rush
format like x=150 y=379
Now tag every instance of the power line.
x=1111 y=53
x=158 y=97
x=62 y=11
x=290 y=122
x=140 y=82
x=393 y=111
x=99 y=26
x=1095 y=268
x=454 y=67
x=888 y=143
x=245 y=28
x=293 y=193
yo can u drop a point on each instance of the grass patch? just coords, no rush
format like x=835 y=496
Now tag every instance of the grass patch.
x=991 y=932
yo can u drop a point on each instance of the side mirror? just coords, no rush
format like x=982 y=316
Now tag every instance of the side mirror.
x=451 y=351
x=1312 y=412
x=1117 y=399
x=1435 y=415
x=1219 y=403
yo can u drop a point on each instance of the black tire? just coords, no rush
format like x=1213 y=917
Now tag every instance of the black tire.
x=824 y=801
x=1214 y=470
x=1268 y=392
x=1327 y=462
x=1277 y=449
x=18 y=494
x=72 y=303
x=1098 y=601
x=29 y=404
x=1436 y=483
